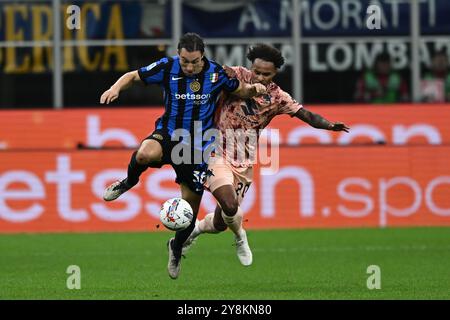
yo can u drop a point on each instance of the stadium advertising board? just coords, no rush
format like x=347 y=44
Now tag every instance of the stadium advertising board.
x=318 y=18
x=124 y=127
x=48 y=185
x=118 y=20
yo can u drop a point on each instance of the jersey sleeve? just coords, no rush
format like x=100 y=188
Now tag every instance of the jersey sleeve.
x=228 y=84
x=242 y=73
x=287 y=105
x=153 y=73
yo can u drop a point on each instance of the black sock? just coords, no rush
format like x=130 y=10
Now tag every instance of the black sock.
x=134 y=171
x=181 y=236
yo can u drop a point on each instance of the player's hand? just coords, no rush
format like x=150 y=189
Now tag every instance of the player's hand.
x=259 y=88
x=109 y=96
x=339 y=126
x=229 y=71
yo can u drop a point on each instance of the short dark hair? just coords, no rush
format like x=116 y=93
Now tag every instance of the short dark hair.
x=191 y=42
x=266 y=53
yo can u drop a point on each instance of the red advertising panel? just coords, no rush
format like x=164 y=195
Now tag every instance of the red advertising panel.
x=392 y=169
x=53 y=191
x=67 y=129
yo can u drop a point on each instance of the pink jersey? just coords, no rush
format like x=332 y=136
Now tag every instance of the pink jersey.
x=251 y=116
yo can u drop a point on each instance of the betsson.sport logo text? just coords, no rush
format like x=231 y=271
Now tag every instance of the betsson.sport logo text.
x=200 y=98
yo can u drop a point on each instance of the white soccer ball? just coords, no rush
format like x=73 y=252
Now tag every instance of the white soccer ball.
x=176 y=214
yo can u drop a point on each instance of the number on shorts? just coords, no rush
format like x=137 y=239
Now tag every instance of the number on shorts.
x=243 y=188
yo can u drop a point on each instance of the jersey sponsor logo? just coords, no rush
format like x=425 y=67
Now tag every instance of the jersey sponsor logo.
x=176 y=78
x=247 y=119
x=201 y=98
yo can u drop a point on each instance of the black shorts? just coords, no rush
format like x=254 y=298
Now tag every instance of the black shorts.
x=193 y=175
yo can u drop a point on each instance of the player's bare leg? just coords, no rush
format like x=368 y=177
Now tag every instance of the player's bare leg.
x=227 y=199
x=149 y=154
x=175 y=245
x=226 y=196
x=229 y=214
x=232 y=216
x=209 y=224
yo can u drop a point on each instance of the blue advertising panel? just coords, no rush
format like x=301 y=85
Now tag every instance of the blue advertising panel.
x=264 y=18
x=272 y=18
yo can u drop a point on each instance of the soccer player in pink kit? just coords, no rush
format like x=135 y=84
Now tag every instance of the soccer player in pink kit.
x=231 y=177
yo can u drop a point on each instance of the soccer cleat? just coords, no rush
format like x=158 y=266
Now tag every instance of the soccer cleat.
x=243 y=249
x=115 y=190
x=174 y=265
x=190 y=241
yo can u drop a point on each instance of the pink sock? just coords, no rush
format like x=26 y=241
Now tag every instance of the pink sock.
x=234 y=222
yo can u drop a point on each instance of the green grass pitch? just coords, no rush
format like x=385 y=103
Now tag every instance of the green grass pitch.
x=288 y=264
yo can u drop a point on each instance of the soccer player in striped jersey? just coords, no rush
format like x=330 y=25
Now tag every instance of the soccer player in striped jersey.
x=192 y=85
x=232 y=170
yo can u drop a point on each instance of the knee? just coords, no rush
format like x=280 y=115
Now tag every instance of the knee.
x=144 y=157
x=230 y=207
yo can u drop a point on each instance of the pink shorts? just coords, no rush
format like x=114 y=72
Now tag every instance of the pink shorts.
x=223 y=173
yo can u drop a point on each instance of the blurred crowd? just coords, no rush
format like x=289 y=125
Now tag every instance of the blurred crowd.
x=382 y=84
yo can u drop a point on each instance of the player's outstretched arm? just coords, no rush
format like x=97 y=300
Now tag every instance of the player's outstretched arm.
x=246 y=90
x=123 y=83
x=317 y=121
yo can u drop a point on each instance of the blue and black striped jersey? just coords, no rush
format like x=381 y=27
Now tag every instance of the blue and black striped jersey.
x=187 y=98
